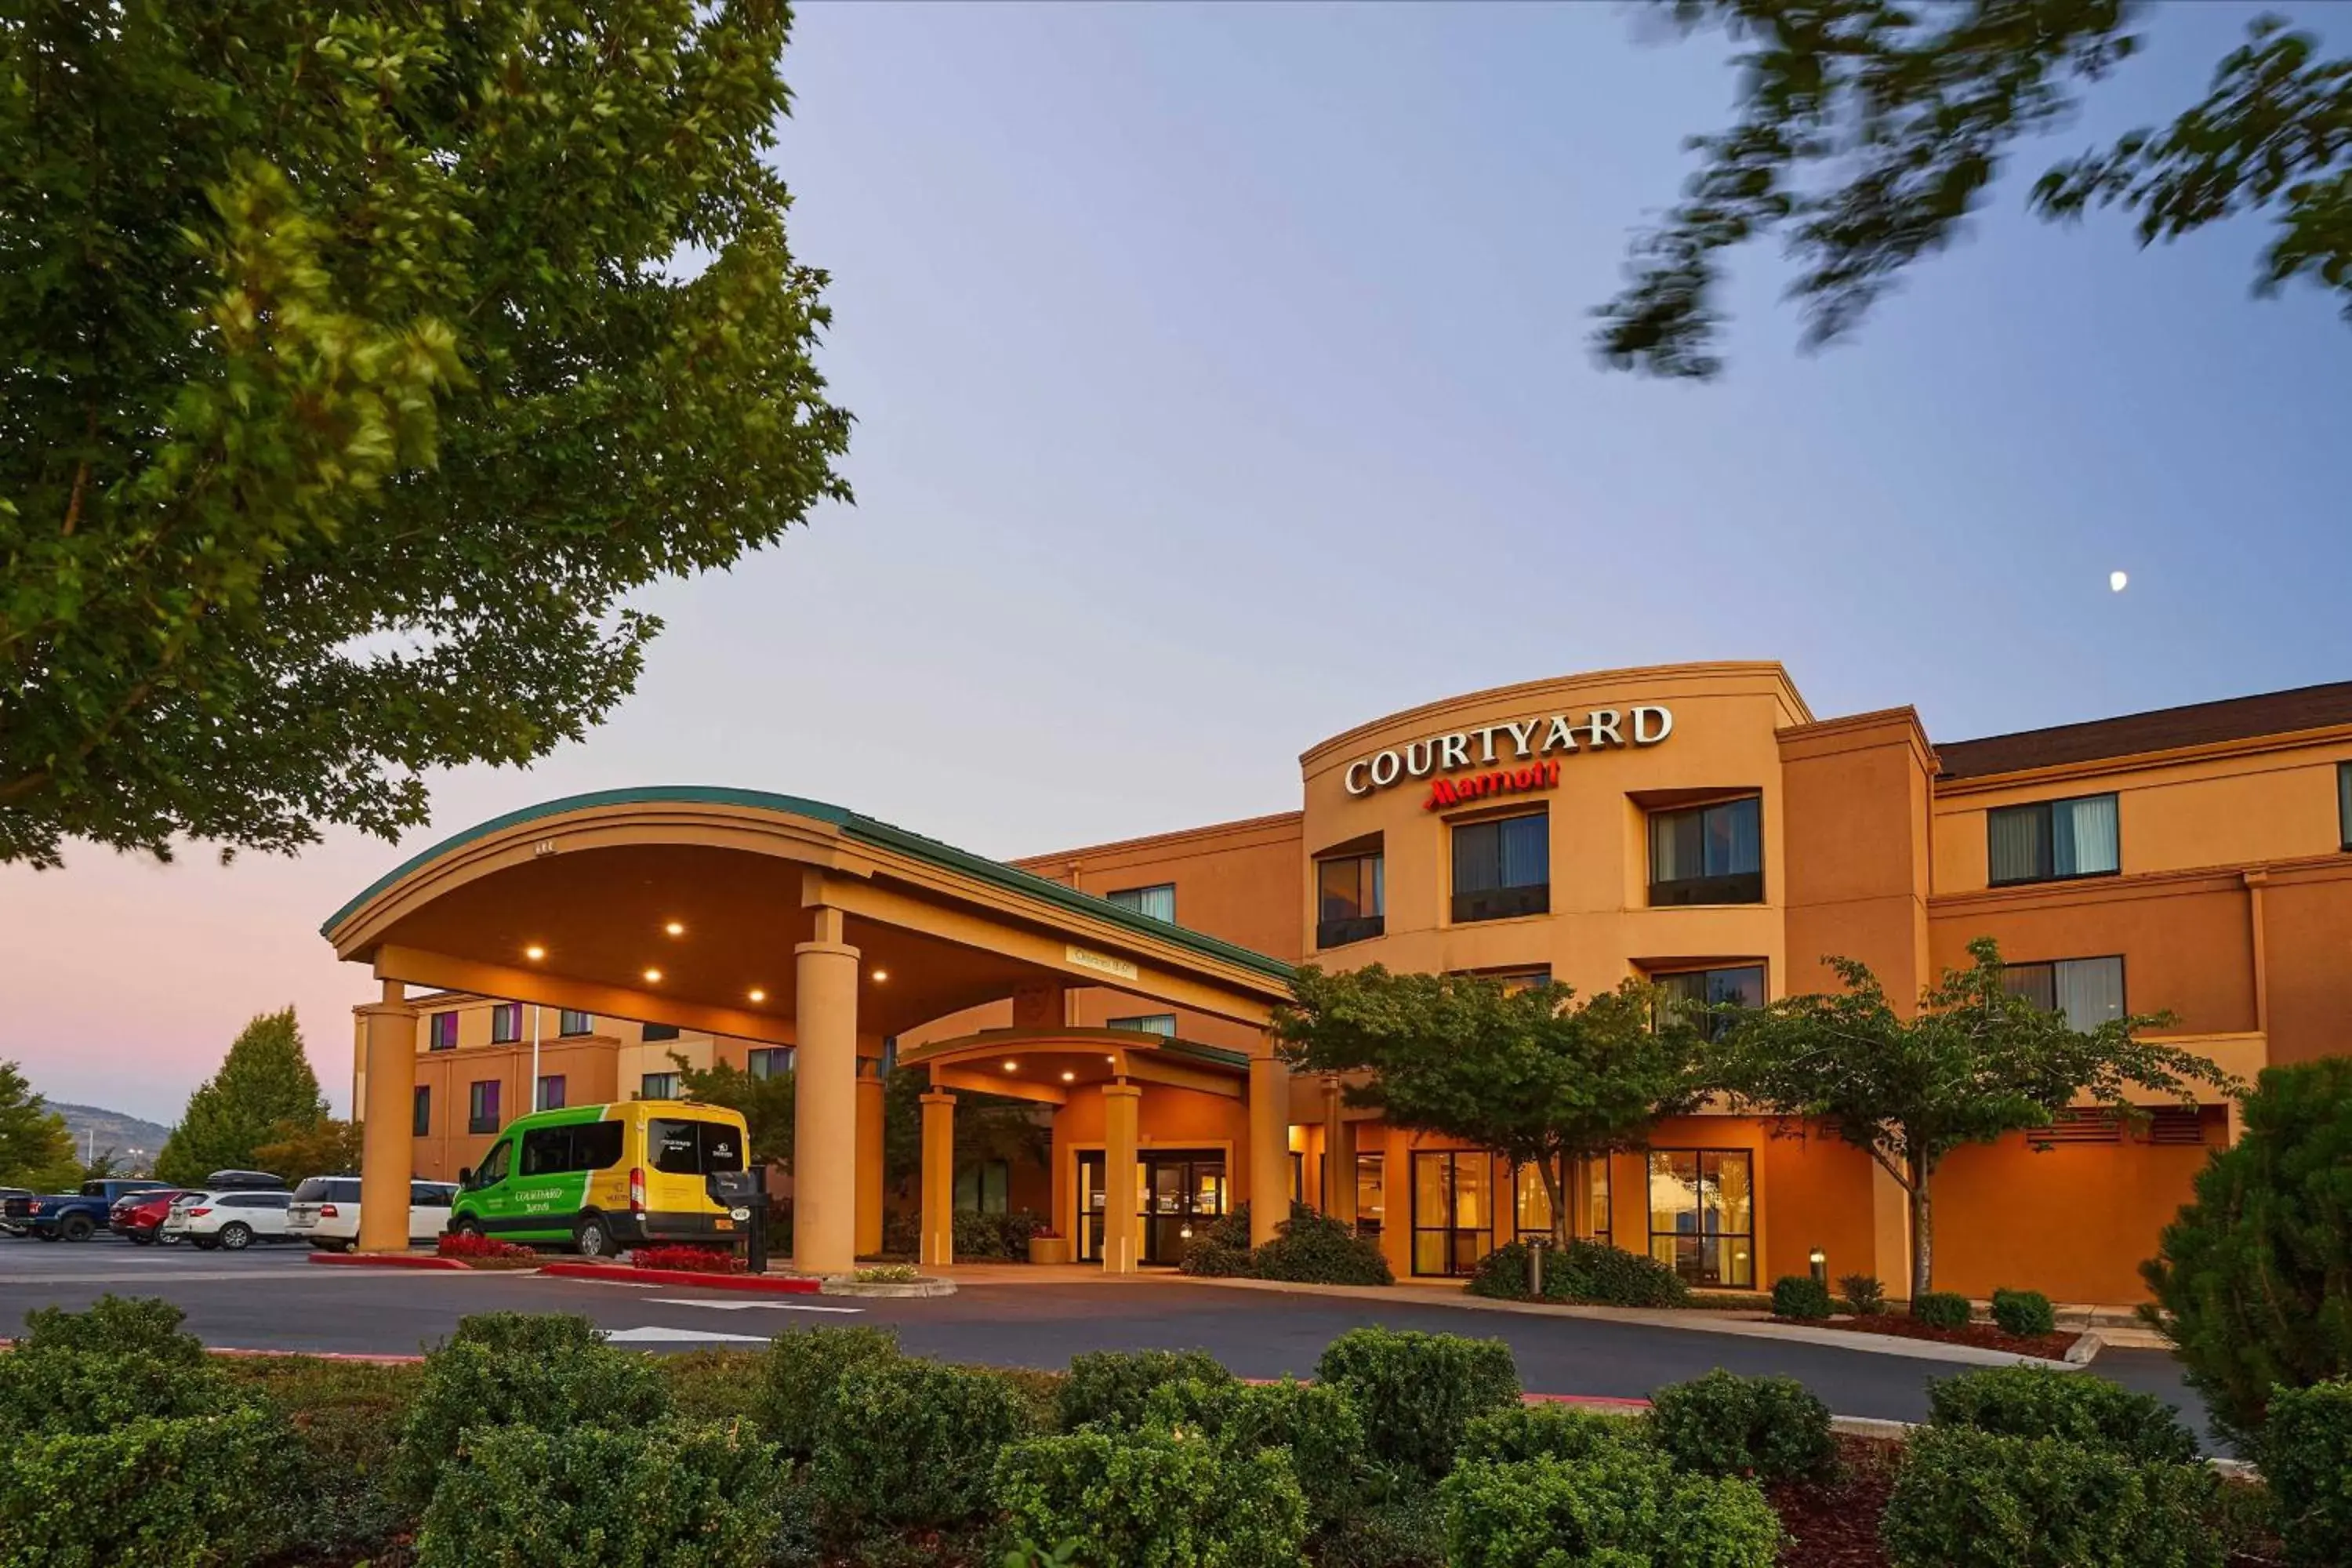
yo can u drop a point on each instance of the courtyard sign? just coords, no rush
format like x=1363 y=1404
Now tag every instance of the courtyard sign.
x=1483 y=748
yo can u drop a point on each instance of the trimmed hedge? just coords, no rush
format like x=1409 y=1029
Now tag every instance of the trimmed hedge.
x=2306 y=1453
x=1417 y=1393
x=1153 y=1498
x=1965 y=1498
x=2023 y=1312
x=1768 y=1428
x=1942 y=1309
x=1799 y=1295
x=1593 y=1272
x=797 y=1378
x=194 y=1492
x=94 y=1391
x=1317 y=1426
x=115 y=1325
x=1113 y=1388
x=1314 y=1249
x=528 y=1333
x=1617 y=1509
x=911 y=1445
x=1549 y=1431
x=979 y=1236
x=2074 y=1407
x=668 y=1496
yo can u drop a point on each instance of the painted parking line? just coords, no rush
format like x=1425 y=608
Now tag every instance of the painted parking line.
x=747 y=1306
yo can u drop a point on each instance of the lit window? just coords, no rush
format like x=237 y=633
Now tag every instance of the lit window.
x=1702 y=1215
x=1159 y=901
x=441 y=1031
x=2051 y=840
x=1350 y=898
x=1708 y=854
x=2089 y=991
x=1147 y=1023
x=506 y=1023
x=1502 y=867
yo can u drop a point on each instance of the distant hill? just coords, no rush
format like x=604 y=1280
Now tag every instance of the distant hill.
x=135 y=1142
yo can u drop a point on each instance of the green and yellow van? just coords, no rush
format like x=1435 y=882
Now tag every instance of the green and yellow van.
x=604 y=1177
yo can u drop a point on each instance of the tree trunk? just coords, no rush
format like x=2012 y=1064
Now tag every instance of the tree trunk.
x=1555 y=1188
x=1923 y=1232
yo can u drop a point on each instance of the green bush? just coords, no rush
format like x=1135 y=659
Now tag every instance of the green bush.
x=197 y=1491
x=2072 y=1406
x=1417 y=1392
x=1317 y=1426
x=666 y=1496
x=1591 y=1272
x=1113 y=1388
x=114 y=1325
x=92 y=1392
x=346 y=1417
x=1799 y=1295
x=1547 y=1431
x=1770 y=1429
x=1964 y=1499
x=2306 y=1453
x=1618 y=1508
x=1208 y=1258
x=562 y=1382
x=2023 y=1312
x=528 y=1333
x=1865 y=1293
x=2252 y=1281
x=986 y=1236
x=1314 y=1249
x=796 y=1377
x=1154 y=1500
x=1941 y=1308
x=906 y=1444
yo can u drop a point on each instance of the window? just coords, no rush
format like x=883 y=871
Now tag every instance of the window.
x=2344 y=803
x=1512 y=980
x=984 y=1188
x=494 y=1165
x=653 y=1032
x=687 y=1148
x=1450 y=1210
x=658 y=1086
x=581 y=1146
x=1586 y=1190
x=506 y=1023
x=1350 y=898
x=482 y=1106
x=1708 y=854
x=2089 y=991
x=1502 y=867
x=1596 y=1198
x=421 y=1194
x=1147 y=1023
x=551 y=1092
x=1159 y=901
x=1368 y=1194
x=1702 y=1215
x=1530 y=1202
x=1741 y=987
x=420 y=1112
x=2051 y=840
x=568 y=1022
x=441 y=1030
x=768 y=1061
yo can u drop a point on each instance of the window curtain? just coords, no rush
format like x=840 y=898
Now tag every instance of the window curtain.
x=2021 y=843
x=1735 y=839
x=1526 y=851
x=1677 y=846
x=2084 y=836
x=2090 y=991
x=2035 y=982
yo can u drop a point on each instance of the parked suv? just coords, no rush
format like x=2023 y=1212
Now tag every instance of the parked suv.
x=326 y=1211
x=138 y=1217
x=234 y=1220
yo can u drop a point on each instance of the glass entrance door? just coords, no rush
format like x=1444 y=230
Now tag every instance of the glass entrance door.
x=1178 y=1192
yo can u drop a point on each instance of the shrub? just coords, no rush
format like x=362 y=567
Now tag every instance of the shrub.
x=1547 y=1431
x=887 y=1273
x=1588 y=1271
x=525 y=1373
x=2306 y=1453
x=1417 y=1392
x=1113 y=1388
x=2026 y=1313
x=1314 y=1249
x=114 y=1325
x=472 y=1248
x=1154 y=1500
x=1799 y=1295
x=1964 y=1499
x=346 y=1417
x=190 y=1493
x=1864 y=1293
x=2040 y=1402
x=2252 y=1281
x=1941 y=1308
x=691 y=1259
x=1770 y=1429
x=797 y=1377
x=1317 y=1426
x=994 y=1234
x=1502 y=1274
x=668 y=1496
x=908 y=1443
x=1208 y=1258
x=1619 y=1508
x=88 y=1391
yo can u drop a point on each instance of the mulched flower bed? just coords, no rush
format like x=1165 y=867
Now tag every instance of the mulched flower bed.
x=1984 y=1336
x=1834 y=1524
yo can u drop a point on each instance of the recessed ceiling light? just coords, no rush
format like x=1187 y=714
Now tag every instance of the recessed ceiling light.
x=534 y=953
x=676 y=928
x=758 y=995
x=652 y=976
x=1069 y=1077
x=881 y=974
x=1011 y=1066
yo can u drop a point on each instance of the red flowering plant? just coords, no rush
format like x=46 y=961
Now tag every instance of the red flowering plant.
x=478 y=1251
x=692 y=1259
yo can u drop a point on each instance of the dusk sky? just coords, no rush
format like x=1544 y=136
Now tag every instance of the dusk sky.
x=1222 y=382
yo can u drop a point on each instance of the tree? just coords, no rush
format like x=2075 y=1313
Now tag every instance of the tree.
x=324 y=1148
x=989 y=1128
x=1869 y=130
x=2252 y=1281
x=35 y=1149
x=1973 y=1064
x=361 y=358
x=1527 y=1073
x=766 y=1104
x=264 y=1090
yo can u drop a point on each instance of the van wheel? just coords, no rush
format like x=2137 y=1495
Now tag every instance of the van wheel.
x=464 y=1224
x=591 y=1237
x=77 y=1228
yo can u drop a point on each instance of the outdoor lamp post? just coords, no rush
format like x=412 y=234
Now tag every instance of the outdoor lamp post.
x=1821 y=1261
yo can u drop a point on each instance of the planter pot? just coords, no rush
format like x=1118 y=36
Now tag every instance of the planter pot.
x=1049 y=1250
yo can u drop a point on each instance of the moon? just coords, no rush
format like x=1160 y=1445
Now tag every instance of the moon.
x=2118 y=581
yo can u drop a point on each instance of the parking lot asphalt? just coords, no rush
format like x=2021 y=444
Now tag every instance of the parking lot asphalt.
x=272 y=1298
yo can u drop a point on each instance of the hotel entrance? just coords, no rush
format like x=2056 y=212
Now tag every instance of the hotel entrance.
x=1177 y=1193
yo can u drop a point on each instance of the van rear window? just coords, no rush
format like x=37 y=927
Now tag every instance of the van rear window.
x=683 y=1148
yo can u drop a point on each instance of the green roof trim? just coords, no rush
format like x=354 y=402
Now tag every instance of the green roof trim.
x=852 y=825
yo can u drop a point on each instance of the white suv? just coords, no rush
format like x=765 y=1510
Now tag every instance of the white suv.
x=235 y=1220
x=326 y=1212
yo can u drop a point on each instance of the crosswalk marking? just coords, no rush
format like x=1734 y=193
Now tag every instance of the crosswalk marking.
x=748 y=1306
x=678 y=1336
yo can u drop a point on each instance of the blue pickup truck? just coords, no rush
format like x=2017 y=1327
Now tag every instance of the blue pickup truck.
x=68 y=1217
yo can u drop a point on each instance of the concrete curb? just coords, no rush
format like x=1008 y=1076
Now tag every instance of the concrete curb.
x=888 y=1289
x=404 y=1260
x=625 y=1274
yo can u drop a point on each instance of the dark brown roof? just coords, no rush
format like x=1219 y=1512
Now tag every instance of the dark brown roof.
x=2166 y=729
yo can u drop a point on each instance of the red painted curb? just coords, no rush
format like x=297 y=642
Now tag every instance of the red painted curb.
x=386 y=1260
x=618 y=1273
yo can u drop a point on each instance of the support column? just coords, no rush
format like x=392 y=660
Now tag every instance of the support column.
x=938 y=1181
x=387 y=1158
x=1338 y=1158
x=1122 y=1109
x=825 y=1112
x=869 y=1155
x=1269 y=1138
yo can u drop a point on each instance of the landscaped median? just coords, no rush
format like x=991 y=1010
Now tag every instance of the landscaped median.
x=528 y=1439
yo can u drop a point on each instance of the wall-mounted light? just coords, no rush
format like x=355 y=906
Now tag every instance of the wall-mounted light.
x=534 y=953
x=676 y=928
x=652 y=976
x=758 y=995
